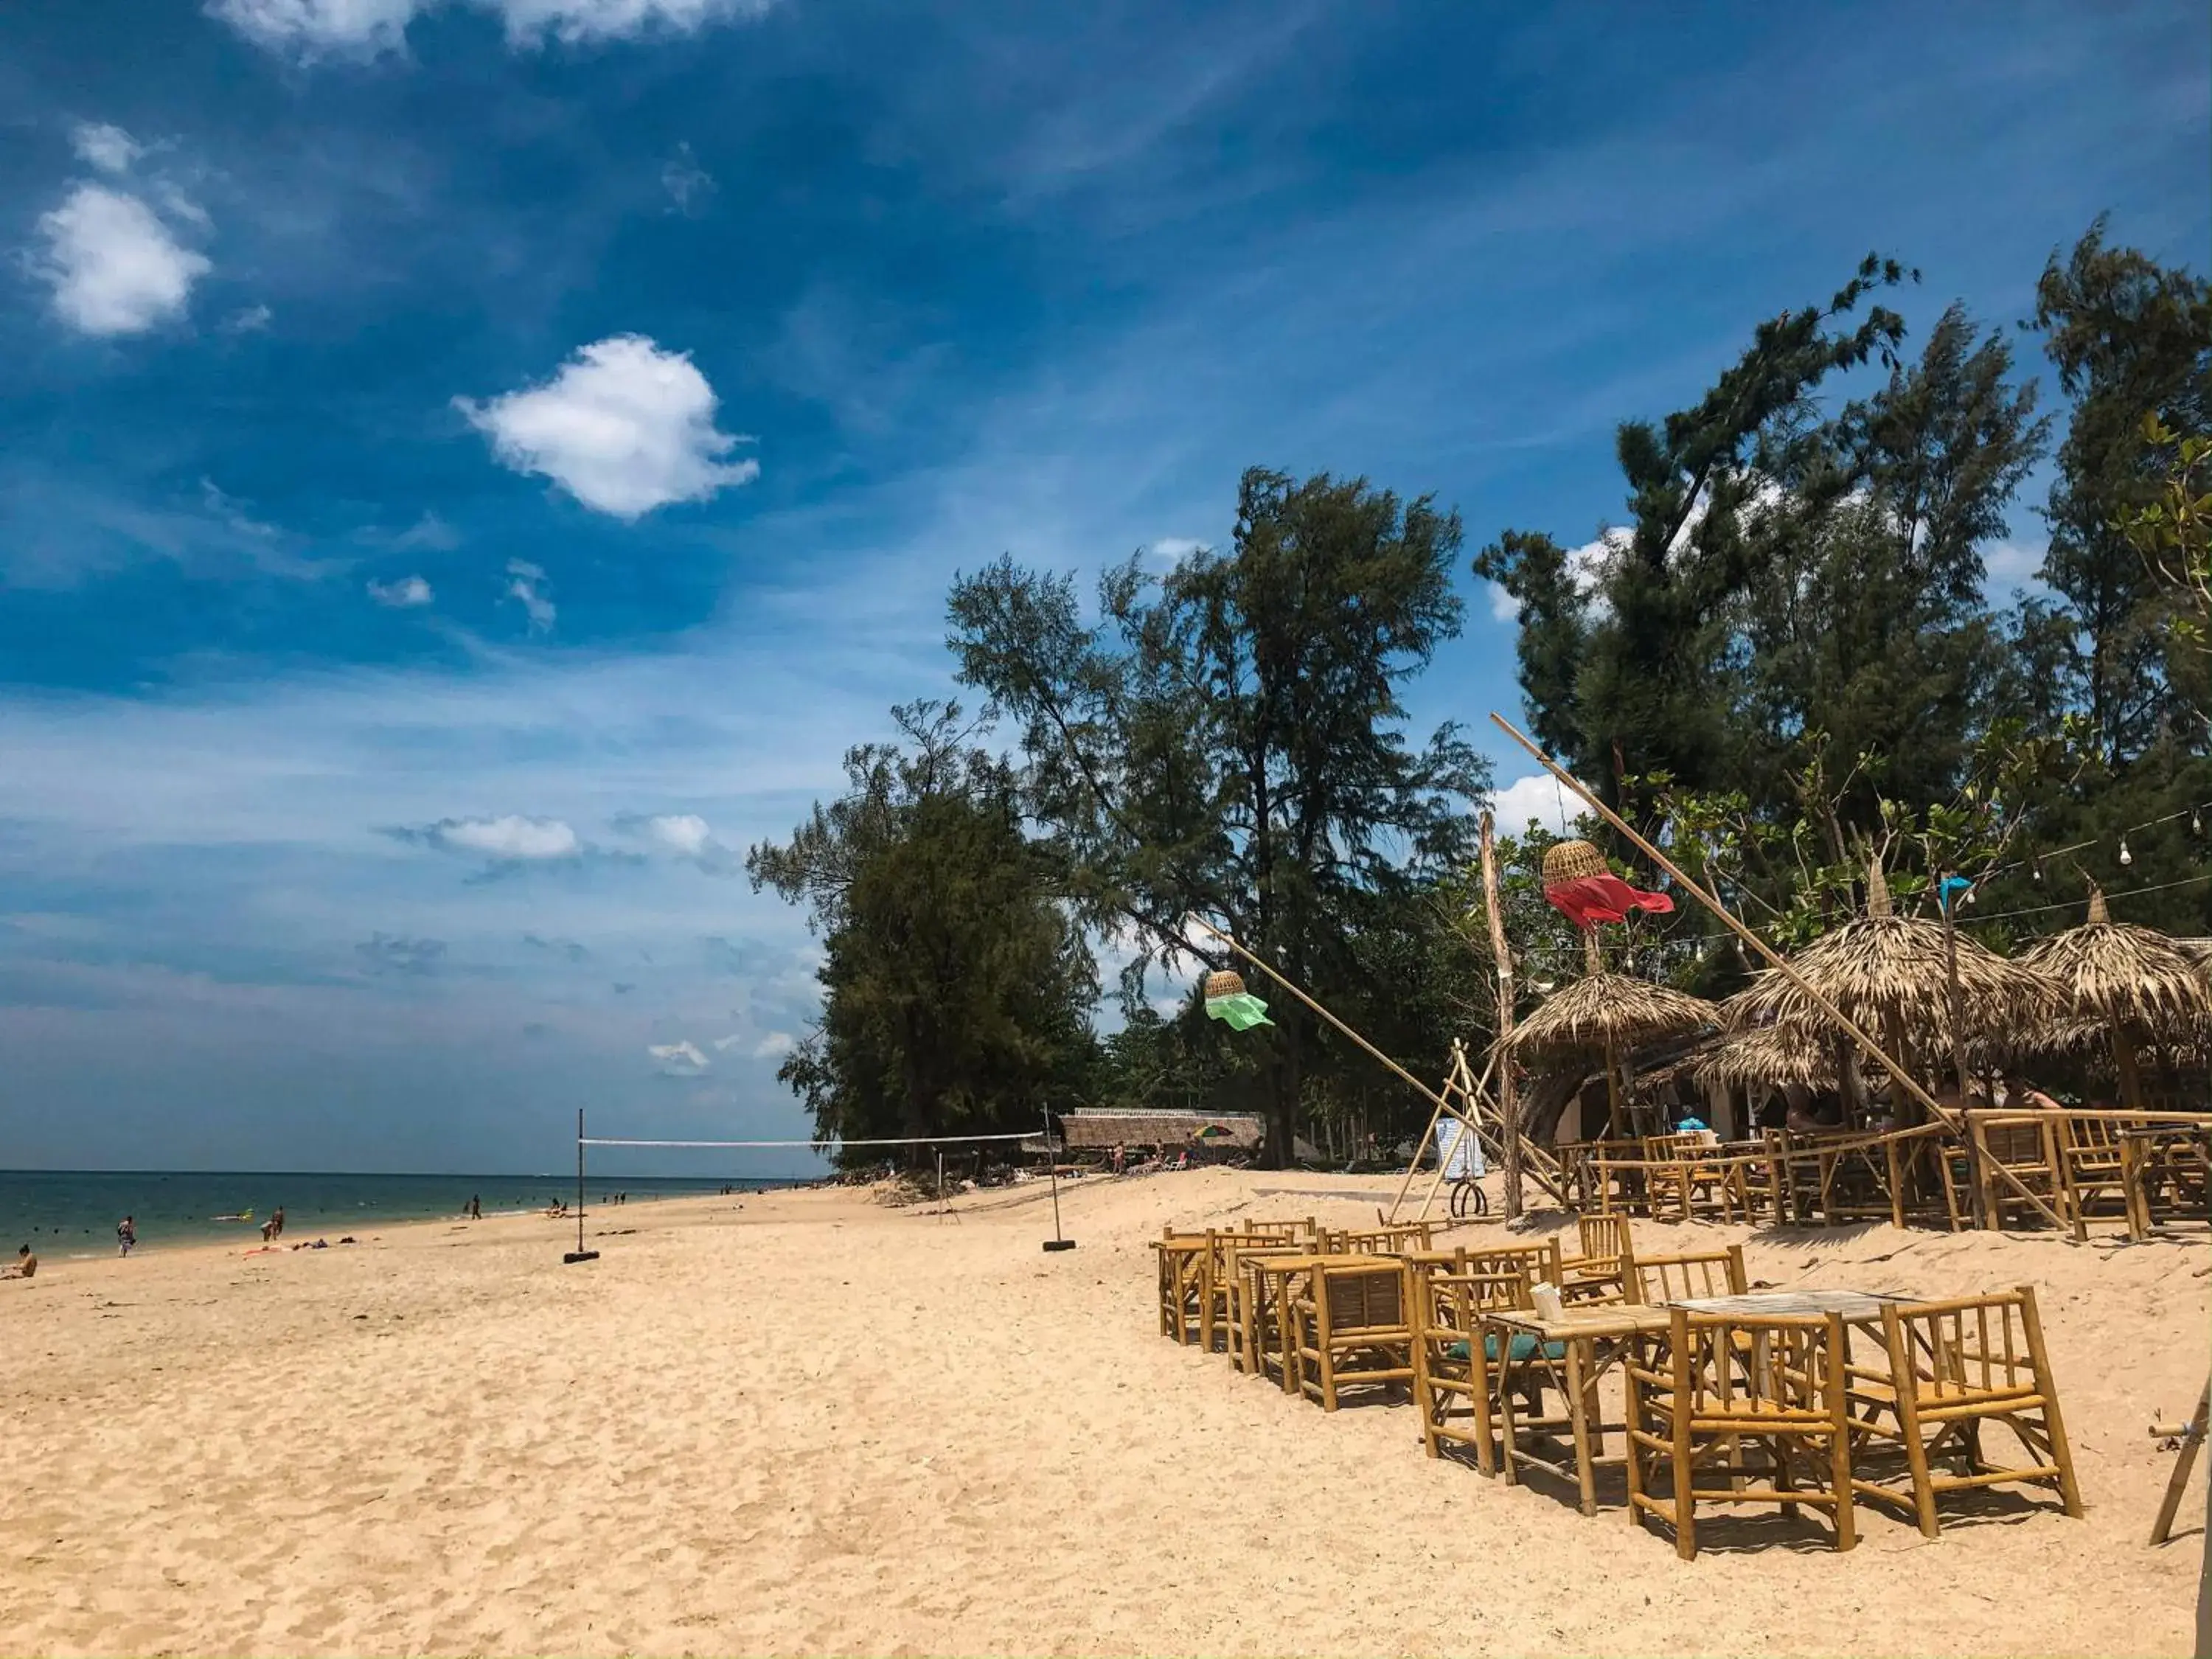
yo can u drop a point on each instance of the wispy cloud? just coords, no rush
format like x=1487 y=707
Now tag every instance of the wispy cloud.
x=408 y=593
x=101 y=145
x=681 y=1058
x=388 y=953
x=313 y=29
x=624 y=427
x=685 y=835
x=525 y=586
x=690 y=187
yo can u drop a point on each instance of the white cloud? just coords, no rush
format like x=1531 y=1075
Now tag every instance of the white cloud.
x=308 y=29
x=1168 y=550
x=686 y=832
x=251 y=320
x=2008 y=566
x=1542 y=798
x=624 y=428
x=1586 y=564
x=525 y=584
x=679 y=1058
x=104 y=146
x=774 y=1046
x=115 y=267
x=404 y=594
x=512 y=838
x=573 y=21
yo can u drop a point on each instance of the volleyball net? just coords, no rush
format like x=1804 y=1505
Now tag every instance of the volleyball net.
x=822 y=1147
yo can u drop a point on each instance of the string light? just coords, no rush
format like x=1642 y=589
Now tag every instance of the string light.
x=2126 y=857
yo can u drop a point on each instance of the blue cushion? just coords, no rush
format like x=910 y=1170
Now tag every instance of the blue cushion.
x=1519 y=1351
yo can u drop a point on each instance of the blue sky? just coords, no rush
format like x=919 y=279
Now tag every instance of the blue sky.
x=472 y=466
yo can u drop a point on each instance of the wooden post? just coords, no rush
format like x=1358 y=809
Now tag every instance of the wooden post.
x=2192 y=1439
x=1958 y=1000
x=1508 y=1104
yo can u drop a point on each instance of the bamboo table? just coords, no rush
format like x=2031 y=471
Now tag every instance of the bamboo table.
x=1594 y=1340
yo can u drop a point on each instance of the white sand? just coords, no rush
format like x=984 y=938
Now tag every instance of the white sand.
x=817 y=1425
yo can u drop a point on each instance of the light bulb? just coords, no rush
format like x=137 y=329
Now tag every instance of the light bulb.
x=2126 y=857
x=1969 y=898
x=2196 y=823
x=2035 y=874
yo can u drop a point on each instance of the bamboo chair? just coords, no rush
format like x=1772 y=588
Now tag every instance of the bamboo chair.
x=1954 y=1366
x=1352 y=1325
x=1251 y=1331
x=1736 y=1401
x=2024 y=1174
x=1183 y=1283
x=1690 y=1276
x=1226 y=1312
x=1605 y=1269
x=1456 y=1365
x=2097 y=1171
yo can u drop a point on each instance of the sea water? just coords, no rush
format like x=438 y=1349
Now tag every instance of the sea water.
x=65 y=1213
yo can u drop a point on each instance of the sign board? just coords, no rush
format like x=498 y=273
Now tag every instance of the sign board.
x=1459 y=1151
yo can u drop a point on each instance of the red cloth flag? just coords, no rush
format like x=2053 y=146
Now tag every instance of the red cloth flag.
x=1588 y=900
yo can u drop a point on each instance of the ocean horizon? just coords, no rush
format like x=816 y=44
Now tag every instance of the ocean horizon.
x=74 y=1212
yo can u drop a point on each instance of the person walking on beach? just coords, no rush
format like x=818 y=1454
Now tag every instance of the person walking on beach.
x=126 y=1234
x=475 y=1207
x=277 y=1222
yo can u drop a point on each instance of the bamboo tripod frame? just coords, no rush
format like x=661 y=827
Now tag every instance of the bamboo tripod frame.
x=1457 y=1081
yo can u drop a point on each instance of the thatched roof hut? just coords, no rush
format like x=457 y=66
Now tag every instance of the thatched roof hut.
x=2132 y=986
x=1606 y=1014
x=1602 y=1010
x=1096 y=1130
x=1891 y=974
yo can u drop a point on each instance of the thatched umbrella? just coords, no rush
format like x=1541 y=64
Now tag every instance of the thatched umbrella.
x=1604 y=1013
x=1775 y=1056
x=2137 y=984
x=1892 y=975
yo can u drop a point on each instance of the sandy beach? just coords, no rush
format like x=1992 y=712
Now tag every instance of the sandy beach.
x=811 y=1424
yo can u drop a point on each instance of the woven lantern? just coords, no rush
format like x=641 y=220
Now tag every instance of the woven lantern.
x=1581 y=884
x=1224 y=984
x=1571 y=860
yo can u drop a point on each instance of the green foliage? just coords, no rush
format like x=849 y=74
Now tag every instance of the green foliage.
x=1787 y=663
x=2173 y=533
x=956 y=987
x=1227 y=741
x=2126 y=336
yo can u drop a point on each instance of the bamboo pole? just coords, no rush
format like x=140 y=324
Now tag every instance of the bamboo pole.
x=1508 y=1105
x=1773 y=959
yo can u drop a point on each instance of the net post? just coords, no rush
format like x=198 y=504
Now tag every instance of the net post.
x=579 y=1254
x=1052 y=1169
